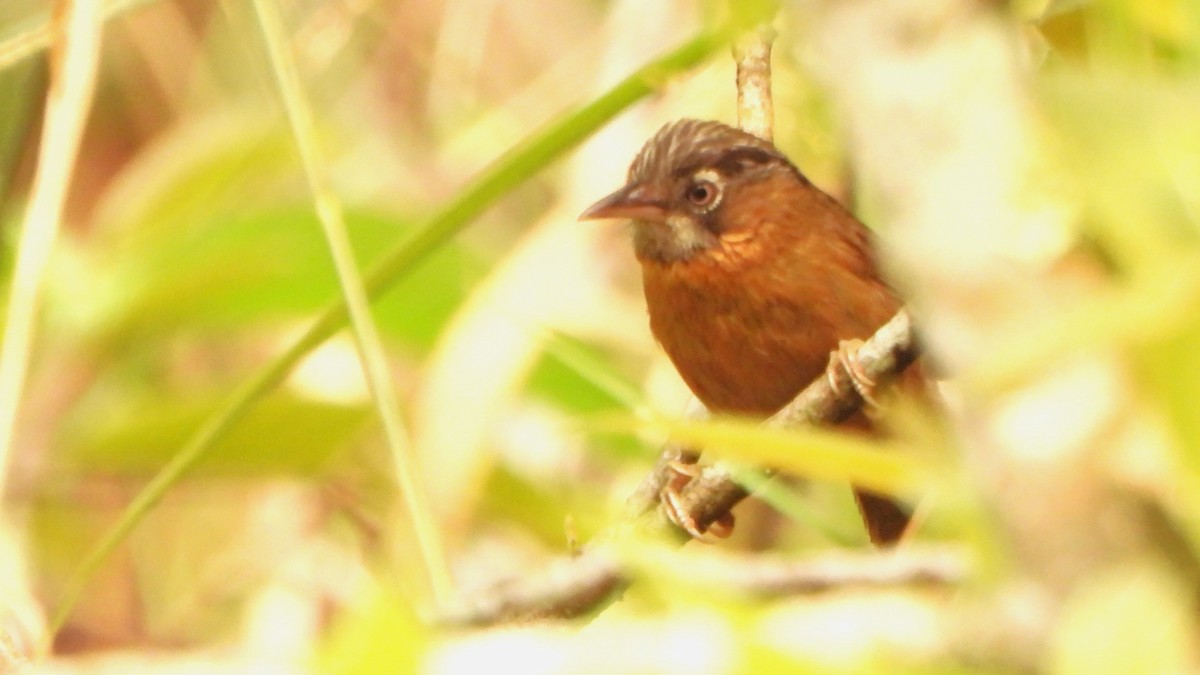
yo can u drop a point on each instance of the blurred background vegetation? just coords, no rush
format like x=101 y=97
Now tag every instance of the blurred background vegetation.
x=190 y=258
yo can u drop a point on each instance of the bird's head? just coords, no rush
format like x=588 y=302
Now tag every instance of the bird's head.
x=684 y=185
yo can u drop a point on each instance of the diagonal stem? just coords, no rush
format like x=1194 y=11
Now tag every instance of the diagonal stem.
x=366 y=333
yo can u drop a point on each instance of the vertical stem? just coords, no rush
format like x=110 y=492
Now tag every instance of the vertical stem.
x=370 y=347
x=77 y=24
x=756 y=111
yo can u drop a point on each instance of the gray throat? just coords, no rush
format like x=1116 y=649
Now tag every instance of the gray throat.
x=678 y=239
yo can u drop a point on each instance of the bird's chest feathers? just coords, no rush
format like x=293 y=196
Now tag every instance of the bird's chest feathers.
x=740 y=325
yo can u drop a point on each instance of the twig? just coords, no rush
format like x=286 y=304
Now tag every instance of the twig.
x=575 y=586
x=756 y=112
x=775 y=575
x=570 y=587
x=889 y=351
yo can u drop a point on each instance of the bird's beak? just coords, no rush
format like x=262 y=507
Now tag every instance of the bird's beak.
x=635 y=201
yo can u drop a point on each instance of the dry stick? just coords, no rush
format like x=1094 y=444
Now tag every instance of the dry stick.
x=575 y=586
x=756 y=111
x=889 y=351
x=775 y=575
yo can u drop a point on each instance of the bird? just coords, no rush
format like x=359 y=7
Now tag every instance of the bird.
x=753 y=277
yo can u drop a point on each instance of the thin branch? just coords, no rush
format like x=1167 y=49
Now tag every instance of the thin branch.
x=775 y=575
x=756 y=110
x=570 y=587
x=578 y=585
x=888 y=352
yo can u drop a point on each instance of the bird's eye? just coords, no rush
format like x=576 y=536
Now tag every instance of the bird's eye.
x=702 y=193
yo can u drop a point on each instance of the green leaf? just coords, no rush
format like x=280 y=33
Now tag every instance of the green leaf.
x=258 y=267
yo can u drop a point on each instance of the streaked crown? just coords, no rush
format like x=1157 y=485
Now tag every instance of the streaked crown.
x=684 y=146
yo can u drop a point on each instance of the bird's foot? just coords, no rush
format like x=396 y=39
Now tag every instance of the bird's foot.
x=844 y=360
x=684 y=471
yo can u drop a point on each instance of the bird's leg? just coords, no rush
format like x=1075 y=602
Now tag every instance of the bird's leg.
x=678 y=466
x=682 y=471
x=844 y=360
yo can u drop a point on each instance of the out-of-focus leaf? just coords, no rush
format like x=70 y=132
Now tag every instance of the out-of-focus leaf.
x=577 y=377
x=1171 y=368
x=1065 y=31
x=542 y=509
x=1173 y=26
x=18 y=103
x=1132 y=144
x=208 y=168
x=285 y=435
x=210 y=229
x=740 y=14
x=508 y=172
x=1120 y=35
x=261 y=266
x=1129 y=620
x=384 y=636
x=1150 y=308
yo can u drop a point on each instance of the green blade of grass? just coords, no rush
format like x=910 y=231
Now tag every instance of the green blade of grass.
x=328 y=208
x=508 y=171
x=811 y=452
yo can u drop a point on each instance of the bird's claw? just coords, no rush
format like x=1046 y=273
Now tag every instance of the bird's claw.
x=845 y=360
x=683 y=472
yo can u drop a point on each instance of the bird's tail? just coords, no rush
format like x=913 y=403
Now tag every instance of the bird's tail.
x=886 y=519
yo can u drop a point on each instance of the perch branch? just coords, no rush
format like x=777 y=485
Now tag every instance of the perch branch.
x=888 y=352
x=581 y=584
